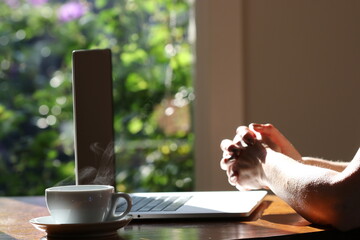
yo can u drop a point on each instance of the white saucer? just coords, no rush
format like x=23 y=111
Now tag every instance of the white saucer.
x=47 y=224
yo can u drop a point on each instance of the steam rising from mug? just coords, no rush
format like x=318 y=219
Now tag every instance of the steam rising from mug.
x=103 y=174
x=100 y=175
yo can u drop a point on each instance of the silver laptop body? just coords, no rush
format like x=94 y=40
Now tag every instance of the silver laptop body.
x=213 y=204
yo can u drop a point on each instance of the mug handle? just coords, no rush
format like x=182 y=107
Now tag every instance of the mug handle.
x=114 y=199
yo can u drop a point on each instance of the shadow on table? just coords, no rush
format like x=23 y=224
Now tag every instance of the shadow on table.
x=114 y=236
x=293 y=219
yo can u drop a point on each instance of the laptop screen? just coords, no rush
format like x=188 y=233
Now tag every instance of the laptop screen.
x=93 y=117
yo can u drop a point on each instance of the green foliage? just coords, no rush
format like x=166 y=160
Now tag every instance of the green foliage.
x=153 y=93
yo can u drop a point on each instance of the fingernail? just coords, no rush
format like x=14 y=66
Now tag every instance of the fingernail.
x=257 y=126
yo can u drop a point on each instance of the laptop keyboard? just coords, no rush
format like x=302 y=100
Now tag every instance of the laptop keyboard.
x=154 y=204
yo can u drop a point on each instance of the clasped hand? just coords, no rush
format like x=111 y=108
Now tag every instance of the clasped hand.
x=242 y=159
x=244 y=156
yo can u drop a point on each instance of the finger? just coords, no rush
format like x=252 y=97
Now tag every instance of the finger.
x=232 y=180
x=224 y=145
x=276 y=140
x=226 y=155
x=244 y=136
x=232 y=175
x=225 y=163
x=270 y=133
x=230 y=148
x=230 y=151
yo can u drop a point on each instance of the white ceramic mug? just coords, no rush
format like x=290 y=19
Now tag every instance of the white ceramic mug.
x=85 y=203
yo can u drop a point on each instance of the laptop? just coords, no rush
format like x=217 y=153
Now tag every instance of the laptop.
x=94 y=136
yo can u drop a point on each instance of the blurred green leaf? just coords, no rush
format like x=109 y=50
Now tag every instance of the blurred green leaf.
x=100 y=3
x=135 y=125
x=136 y=82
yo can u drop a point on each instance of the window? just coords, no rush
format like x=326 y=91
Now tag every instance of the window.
x=151 y=44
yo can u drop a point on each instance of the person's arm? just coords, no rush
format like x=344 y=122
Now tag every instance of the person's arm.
x=330 y=164
x=270 y=135
x=320 y=195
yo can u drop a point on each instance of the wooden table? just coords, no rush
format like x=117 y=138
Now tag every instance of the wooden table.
x=273 y=219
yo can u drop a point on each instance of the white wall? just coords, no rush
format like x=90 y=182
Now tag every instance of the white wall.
x=303 y=74
x=291 y=63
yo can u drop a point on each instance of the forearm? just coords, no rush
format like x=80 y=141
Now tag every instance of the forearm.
x=302 y=186
x=333 y=165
